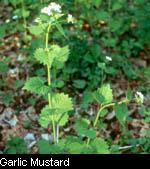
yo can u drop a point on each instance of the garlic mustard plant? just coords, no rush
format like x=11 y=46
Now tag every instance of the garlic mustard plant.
x=55 y=113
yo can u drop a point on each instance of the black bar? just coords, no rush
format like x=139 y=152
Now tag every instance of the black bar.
x=67 y=161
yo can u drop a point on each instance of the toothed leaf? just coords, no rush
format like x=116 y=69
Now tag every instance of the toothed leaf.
x=104 y=94
x=36 y=30
x=60 y=55
x=64 y=119
x=36 y=85
x=82 y=129
x=46 y=116
x=43 y=57
x=56 y=56
x=100 y=146
x=60 y=105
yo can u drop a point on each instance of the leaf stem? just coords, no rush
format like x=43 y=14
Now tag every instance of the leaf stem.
x=106 y=106
x=101 y=109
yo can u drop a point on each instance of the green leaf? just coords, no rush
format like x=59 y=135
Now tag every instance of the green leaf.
x=79 y=84
x=45 y=147
x=75 y=145
x=56 y=56
x=117 y=5
x=102 y=65
x=147 y=72
x=46 y=116
x=61 y=30
x=25 y=13
x=63 y=119
x=147 y=120
x=97 y=3
x=121 y=111
x=2 y=31
x=58 y=83
x=87 y=98
x=100 y=146
x=75 y=148
x=36 y=85
x=115 y=25
x=111 y=70
x=111 y=42
x=148 y=133
x=15 y=2
x=43 y=56
x=16 y=145
x=59 y=54
x=57 y=111
x=36 y=29
x=3 y=67
x=104 y=94
x=103 y=15
x=61 y=103
x=6 y=97
x=18 y=83
x=81 y=127
x=129 y=94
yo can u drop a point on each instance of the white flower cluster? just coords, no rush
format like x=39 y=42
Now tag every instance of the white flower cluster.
x=141 y=96
x=70 y=19
x=52 y=8
x=108 y=58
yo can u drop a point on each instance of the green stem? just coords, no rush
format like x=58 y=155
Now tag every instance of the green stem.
x=100 y=110
x=48 y=75
x=47 y=36
x=49 y=82
x=24 y=19
x=106 y=106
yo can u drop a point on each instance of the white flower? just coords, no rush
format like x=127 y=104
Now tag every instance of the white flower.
x=55 y=7
x=70 y=19
x=15 y=17
x=141 y=96
x=52 y=8
x=46 y=10
x=7 y=20
x=108 y=58
x=37 y=20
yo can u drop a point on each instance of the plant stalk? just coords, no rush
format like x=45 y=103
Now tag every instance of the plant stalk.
x=49 y=82
x=57 y=134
